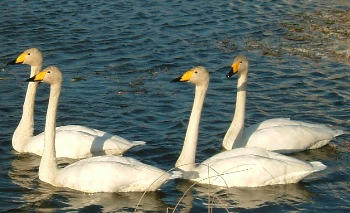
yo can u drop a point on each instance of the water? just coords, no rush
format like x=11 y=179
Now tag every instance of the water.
x=125 y=53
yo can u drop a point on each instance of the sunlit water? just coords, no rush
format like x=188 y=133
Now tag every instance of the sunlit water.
x=124 y=53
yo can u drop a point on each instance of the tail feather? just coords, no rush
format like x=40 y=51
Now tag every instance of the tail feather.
x=190 y=174
x=176 y=174
x=338 y=132
x=138 y=143
x=318 y=166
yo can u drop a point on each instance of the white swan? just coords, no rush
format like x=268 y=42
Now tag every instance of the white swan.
x=72 y=141
x=96 y=174
x=242 y=167
x=280 y=134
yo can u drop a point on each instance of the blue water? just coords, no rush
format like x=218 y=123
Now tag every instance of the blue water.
x=127 y=52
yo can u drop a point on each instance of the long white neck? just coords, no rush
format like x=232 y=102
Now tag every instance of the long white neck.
x=25 y=128
x=48 y=166
x=234 y=133
x=186 y=160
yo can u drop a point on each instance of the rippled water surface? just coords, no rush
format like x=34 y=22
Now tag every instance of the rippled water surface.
x=118 y=58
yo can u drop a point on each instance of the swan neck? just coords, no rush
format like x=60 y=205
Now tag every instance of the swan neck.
x=186 y=160
x=35 y=70
x=235 y=131
x=48 y=165
x=25 y=128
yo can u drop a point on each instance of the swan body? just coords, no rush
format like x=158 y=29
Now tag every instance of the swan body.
x=96 y=174
x=253 y=167
x=111 y=174
x=287 y=136
x=82 y=142
x=73 y=141
x=279 y=134
x=242 y=167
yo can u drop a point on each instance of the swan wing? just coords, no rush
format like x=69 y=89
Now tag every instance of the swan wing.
x=274 y=122
x=270 y=123
x=98 y=133
x=111 y=174
x=237 y=152
x=80 y=128
x=291 y=138
x=287 y=136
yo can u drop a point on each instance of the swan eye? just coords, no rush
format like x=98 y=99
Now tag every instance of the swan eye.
x=48 y=72
x=28 y=54
x=196 y=72
x=241 y=62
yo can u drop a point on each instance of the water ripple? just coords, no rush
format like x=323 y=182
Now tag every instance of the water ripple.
x=118 y=58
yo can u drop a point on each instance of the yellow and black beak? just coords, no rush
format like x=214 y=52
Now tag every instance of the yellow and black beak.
x=234 y=69
x=19 y=59
x=38 y=77
x=184 y=77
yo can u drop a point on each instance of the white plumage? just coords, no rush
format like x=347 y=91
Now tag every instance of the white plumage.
x=253 y=167
x=74 y=141
x=286 y=136
x=110 y=174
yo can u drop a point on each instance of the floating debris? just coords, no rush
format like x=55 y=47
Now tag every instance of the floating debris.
x=314 y=35
x=137 y=83
x=75 y=79
x=226 y=45
x=121 y=92
x=132 y=91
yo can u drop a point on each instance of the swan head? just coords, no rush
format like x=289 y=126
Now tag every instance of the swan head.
x=31 y=56
x=239 y=65
x=197 y=75
x=51 y=75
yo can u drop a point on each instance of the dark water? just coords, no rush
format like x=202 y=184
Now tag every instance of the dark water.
x=126 y=52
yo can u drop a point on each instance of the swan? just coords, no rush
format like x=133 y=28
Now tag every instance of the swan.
x=241 y=167
x=72 y=141
x=279 y=134
x=97 y=174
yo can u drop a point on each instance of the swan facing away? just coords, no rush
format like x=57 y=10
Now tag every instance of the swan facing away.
x=96 y=174
x=242 y=167
x=279 y=134
x=72 y=141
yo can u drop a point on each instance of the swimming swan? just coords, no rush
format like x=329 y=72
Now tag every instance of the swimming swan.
x=242 y=167
x=72 y=141
x=96 y=174
x=279 y=134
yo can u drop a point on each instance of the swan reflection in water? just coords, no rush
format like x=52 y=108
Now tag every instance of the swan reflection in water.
x=198 y=195
x=38 y=196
